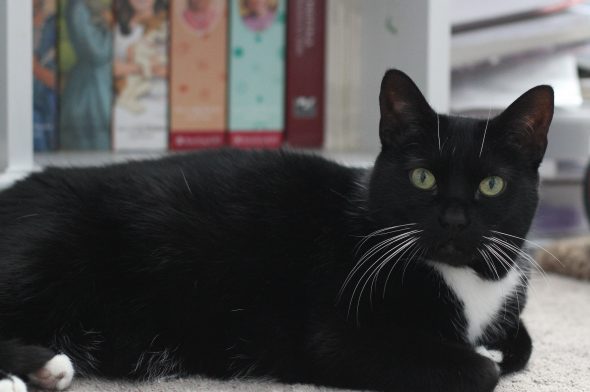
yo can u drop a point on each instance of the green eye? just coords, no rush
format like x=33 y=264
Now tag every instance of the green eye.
x=491 y=186
x=423 y=179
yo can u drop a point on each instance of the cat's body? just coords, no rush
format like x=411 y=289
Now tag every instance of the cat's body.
x=207 y=252
x=270 y=264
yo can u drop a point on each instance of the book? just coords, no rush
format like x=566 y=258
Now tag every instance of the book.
x=343 y=88
x=198 y=80
x=140 y=74
x=45 y=136
x=85 y=74
x=304 y=125
x=256 y=73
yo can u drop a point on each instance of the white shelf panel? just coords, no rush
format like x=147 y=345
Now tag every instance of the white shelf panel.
x=542 y=33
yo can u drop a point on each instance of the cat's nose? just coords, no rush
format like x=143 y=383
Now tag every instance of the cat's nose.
x=454 y=218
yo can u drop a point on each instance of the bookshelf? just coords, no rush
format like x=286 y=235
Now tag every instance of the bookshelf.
x=411 y=35
x=426 y=57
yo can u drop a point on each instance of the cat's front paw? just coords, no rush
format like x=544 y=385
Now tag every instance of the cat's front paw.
x=495 y=355
x=12 y=384
x=56 y=374
x=482 y=375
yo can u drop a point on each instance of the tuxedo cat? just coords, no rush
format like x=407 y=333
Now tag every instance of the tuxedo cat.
x=408 y=276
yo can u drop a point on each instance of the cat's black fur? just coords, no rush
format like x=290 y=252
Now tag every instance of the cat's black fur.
x=230 y=263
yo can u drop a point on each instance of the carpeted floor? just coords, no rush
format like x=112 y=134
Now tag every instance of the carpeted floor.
x=558 y=317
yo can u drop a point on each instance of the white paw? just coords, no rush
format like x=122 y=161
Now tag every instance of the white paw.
x=494 y=355
x=57 y=374
x=12 y=384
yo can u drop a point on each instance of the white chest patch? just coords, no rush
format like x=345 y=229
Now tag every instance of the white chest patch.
x=482 y=299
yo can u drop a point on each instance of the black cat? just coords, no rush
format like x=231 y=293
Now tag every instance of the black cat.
x=404 y=277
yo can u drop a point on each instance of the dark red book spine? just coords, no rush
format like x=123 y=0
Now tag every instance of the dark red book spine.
x=306 y=43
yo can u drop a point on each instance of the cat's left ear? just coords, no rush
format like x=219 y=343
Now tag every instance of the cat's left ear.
x=404 y=110
x=527 y=121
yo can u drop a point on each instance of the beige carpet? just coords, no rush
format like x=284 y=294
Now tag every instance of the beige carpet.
x=558 y=317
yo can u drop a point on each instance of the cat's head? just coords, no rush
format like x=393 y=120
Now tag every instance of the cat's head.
x=463 y=186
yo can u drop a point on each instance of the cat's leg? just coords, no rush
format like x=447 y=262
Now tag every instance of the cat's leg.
x=11 y=383
x=495 y=355
x=407 y=364
x=41 y=365
x=516 y=349
x=56 y=374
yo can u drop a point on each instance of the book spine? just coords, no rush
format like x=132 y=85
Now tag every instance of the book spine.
x=305 y=73
x=140 y=76
x=45 y=97
x=343 y=59
x=198 y=80
x=256 y=74
x=85 y=73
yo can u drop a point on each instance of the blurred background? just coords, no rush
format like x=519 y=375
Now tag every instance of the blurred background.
x=96 y=81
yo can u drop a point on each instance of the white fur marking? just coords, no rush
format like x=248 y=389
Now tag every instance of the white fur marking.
x=12 y=384
x=57 y=373
x=494 y=355
x=482 y=299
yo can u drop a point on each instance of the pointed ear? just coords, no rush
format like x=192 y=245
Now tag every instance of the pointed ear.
x=403 y=108
x=527 y=121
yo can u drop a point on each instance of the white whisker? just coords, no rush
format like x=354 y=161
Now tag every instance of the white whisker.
x=405 y=247
x=361 y=279
x=518 y=253
x=185 y=181
x=408 y=263
x=384 y=231
x=489 y=263
x=485 y=131
x=371 y=271
x=503 y=258
x=438 y=132
x=385 y=262
x=377 y=247
x=530 y=242
x=411 y=257
x=370 y=253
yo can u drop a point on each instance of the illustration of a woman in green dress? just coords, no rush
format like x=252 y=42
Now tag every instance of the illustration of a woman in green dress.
x=85 y=111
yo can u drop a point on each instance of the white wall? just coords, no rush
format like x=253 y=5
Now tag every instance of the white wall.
x=413 y=36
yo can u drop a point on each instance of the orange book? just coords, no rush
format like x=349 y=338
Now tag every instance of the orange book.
x=198 y=79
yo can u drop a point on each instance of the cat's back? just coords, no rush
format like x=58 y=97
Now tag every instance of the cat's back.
x=220 y=189
x=227 y=169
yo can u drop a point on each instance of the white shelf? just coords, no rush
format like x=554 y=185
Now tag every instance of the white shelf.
x=540 y=33
x=91 y=158
x=569 y=136
x=16 y=89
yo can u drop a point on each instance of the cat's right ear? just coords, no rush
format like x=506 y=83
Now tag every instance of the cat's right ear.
x=403 y=108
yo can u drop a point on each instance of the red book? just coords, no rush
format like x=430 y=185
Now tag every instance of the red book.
x=305 y=73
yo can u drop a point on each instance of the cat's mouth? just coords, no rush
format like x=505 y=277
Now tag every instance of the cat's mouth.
x=453 y=253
